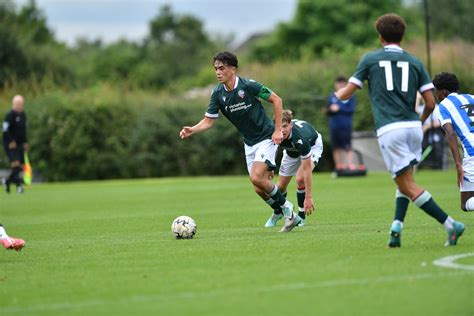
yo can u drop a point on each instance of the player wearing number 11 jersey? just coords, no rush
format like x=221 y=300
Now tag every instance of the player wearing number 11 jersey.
x=394 y=77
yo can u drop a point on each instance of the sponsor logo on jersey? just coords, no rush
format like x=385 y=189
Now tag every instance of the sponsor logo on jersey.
x=299 y=142
x=237 y=107
x=241 y=94
x=224 y=98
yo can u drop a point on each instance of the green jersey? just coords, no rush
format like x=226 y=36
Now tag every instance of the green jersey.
x=242 y=107
x=394 y=77
x=303 y=136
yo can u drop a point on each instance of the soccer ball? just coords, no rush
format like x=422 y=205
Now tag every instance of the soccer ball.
x=183 y=227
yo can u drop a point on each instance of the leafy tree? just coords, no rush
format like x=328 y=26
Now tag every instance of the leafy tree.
x=177 y=46
x=33 y=24
x=117 y=60
x=28 y=49
x=452 y=18
x=320 y=25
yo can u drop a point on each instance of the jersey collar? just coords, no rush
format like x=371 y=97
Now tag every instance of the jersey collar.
x=393 y=48
x=235 y=84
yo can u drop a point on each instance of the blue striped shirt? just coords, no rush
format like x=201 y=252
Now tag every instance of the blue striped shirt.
x=458 y=109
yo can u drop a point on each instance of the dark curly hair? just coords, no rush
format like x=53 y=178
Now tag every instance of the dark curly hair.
x=227 y=58
x=446 y=80
x=391 y=27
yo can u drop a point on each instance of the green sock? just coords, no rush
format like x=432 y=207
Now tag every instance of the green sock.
x=401 y=206
x=427 y=204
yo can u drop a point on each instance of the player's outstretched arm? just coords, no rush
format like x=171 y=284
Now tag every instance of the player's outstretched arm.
x=277 y=102
x=453 y=145
x=430 y=104
x=307 y=166
x=204 y=124
x=346 y=92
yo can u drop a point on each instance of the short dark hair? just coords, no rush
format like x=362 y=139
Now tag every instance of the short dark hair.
x=446 y=80
x=340 y=79
x=391 y=27
x=227 y=58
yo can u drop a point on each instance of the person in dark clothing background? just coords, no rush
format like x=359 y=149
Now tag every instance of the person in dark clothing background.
x=15 y=142
x=340 y=126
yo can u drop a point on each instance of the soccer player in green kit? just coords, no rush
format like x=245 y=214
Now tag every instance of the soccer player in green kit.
x=238 y=99
x=303 y=146
x=394 y=77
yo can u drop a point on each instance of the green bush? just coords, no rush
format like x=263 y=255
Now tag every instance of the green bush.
x=81 y=136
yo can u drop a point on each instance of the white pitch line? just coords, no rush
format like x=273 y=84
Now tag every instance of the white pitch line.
x=207 y=294
x=448 y=262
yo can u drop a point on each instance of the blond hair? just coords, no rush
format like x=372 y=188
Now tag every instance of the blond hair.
x=286 y=116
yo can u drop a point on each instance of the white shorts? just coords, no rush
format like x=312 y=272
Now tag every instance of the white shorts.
x=264 y=151
x=468 y=167
x=289 y=165
x=401 y=148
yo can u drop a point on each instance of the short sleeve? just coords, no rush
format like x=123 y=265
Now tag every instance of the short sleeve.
x=259 y=90
x=425 y=80
x=361 y=74
x=213 y=108
x=444 y=116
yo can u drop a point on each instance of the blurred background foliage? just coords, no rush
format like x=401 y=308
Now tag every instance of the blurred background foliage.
x=112 y=110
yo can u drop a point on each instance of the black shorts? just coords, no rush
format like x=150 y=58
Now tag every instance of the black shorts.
x=15 y=154
x=341 y=138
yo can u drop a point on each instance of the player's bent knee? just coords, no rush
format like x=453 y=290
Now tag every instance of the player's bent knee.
x=300 y=182
x=257 y=180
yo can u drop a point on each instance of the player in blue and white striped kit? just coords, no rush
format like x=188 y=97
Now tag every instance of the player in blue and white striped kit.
x=457 y=118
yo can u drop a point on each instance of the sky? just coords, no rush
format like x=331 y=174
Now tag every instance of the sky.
x=111 y=20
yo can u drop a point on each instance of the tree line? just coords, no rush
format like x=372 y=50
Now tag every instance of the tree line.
x=113 y=110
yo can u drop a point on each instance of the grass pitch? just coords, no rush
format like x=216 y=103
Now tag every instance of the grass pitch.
x=105 y=248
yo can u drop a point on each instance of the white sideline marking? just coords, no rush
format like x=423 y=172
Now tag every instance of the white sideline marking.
x=213 y=293
x=448 y=262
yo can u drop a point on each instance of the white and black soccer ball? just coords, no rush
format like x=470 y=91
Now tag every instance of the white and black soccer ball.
x=183 y=227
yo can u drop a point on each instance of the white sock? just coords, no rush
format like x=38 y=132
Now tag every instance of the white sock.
x=287 y=209
x=448 y=223
x=397 y=222
x=470 y=204
x=3 y=233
